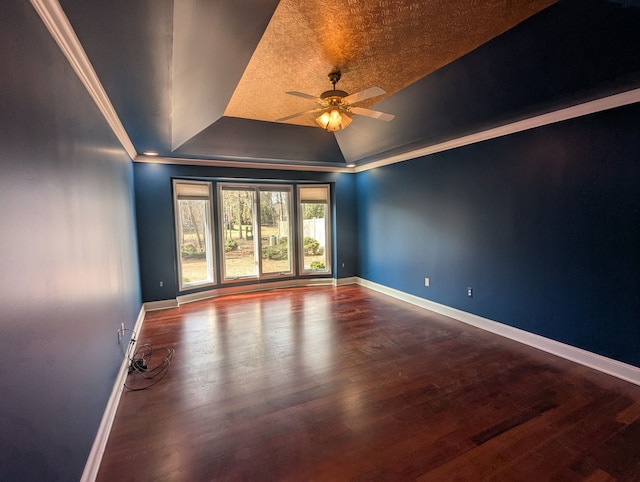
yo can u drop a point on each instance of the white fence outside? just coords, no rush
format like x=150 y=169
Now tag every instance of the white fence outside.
x=314 y=228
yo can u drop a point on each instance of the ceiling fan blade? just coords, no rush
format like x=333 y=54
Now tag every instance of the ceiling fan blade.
x=317 y=109
x=374 y=114
x=363 y=95
x=303 y=95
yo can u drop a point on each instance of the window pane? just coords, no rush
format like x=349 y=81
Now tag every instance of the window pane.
x=238 y=233
x=314 y=210
x=275 y=235
x=194 y=237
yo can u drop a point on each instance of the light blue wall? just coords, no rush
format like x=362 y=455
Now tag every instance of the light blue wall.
x=68 y=258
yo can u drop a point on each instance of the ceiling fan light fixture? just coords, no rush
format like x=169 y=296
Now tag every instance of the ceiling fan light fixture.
x=337 y=106
x=333 y=120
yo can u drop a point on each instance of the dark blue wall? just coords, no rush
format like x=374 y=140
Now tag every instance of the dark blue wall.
x=68 y=260
x=156 y=229
x=543 y=225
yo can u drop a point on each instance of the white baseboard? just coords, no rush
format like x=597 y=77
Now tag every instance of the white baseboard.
x=99 y=444
x=160 y=305
x=239 y=289
x=347 y=281
x=610 y=366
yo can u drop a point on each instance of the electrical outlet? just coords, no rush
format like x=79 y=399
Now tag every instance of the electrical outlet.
x=470 y=292
x=343 y=265
x=426 y=281
x=161 y=284
x=122 y=328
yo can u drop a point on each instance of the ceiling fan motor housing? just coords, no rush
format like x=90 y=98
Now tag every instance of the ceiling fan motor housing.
x=334 y=78
x=333 y=93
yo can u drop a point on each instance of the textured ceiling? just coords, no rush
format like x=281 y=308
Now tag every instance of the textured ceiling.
x=388 y=43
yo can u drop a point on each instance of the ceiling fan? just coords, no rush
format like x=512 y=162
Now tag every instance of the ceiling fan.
x=337 y=106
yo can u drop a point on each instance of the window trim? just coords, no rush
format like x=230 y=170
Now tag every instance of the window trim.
x=215 y=237
x=328 y=232
x=209 y=238
x=256 y=187
x=292 y=228
x=256 y=233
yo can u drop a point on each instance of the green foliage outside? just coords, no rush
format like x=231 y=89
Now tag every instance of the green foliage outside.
x=317 y=265
x=313 y=210
x=311 y=246
x=189 y=251
x=278 y=252
x=230 y=245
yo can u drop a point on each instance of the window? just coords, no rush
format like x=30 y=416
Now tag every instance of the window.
x=315 y=227
x=238 y=239
x=256 y=226
x=194 y=234
x=255 y=234
x=275 y=231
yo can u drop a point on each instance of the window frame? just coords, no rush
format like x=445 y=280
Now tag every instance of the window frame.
x=292 y=228
x=215 y=235
x=208 y=237
x=220 y=227
x=257 y=188
x=328 y=249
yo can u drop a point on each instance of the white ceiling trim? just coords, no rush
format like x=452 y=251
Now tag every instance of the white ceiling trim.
x=242 y=164
x=586 y=108
x=61 y=30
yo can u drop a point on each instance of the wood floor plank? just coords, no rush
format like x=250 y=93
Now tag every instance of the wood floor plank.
x=345 y=383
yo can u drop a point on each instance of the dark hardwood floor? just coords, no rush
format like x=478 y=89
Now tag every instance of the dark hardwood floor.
x=348 y=384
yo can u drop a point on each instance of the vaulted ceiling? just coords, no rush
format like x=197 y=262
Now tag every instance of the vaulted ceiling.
x=206 y=80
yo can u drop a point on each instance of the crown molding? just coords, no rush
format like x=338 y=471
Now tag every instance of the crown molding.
x=61 y=30
x=284 y=166
x=579 y=110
